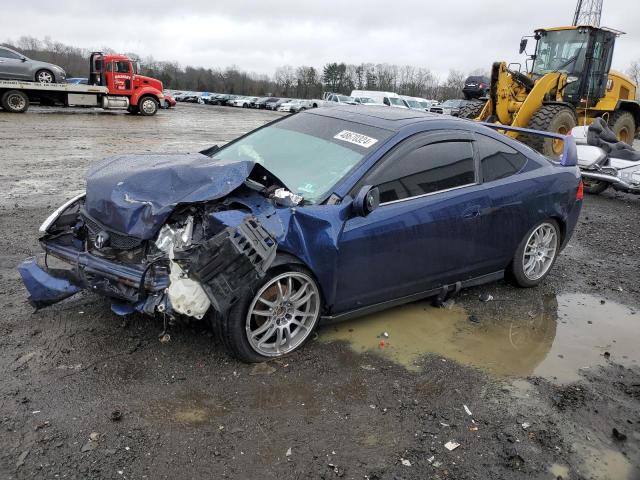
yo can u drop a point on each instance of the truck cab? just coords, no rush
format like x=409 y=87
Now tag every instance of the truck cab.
x=126 y=87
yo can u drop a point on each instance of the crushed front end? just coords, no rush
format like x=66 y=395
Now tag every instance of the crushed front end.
x=194 y=262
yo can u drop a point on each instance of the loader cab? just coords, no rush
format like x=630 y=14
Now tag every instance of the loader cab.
x=584 y=53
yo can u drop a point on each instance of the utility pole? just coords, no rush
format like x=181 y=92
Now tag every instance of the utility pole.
x=588 y=12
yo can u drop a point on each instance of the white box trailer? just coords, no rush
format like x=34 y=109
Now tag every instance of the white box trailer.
x=16 y=96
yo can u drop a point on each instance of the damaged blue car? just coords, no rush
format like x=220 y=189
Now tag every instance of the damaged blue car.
x=320 y=216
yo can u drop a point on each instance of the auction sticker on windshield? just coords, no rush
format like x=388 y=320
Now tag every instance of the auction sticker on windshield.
x=355 y=138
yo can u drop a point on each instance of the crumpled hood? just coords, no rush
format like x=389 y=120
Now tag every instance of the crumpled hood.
x=135 y=194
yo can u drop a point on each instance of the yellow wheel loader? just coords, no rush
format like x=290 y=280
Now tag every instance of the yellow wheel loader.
x=568 y=83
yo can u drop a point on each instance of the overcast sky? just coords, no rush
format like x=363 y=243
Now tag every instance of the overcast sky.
x=260 y=35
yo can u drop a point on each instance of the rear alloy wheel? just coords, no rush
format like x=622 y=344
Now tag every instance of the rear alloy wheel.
x=550 y=118
x=623 y=125
x=536 y=254
x=15 y=101
x=472 y=110
x=273 y=320
x=148 y=106
x=594 y=187
x=44 y=76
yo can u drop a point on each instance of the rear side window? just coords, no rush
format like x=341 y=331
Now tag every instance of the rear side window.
x=427 y=169
x=498 y=160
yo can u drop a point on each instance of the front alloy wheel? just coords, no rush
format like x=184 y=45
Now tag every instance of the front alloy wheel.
x=44 y=76
x=282 y=314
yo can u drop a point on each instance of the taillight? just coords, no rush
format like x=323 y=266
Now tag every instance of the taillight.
x=580 y=192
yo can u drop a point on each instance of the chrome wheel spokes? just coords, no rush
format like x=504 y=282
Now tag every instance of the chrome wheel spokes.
x=540 y=251
x=283 y=314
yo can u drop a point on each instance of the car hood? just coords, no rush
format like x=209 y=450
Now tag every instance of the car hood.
x=135 y=194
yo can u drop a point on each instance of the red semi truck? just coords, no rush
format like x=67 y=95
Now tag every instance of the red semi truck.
x=113 y=84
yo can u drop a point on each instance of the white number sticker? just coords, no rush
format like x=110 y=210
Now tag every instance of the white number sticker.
x=355 y=138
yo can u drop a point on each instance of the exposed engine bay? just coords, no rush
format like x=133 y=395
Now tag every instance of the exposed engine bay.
x=206 y=254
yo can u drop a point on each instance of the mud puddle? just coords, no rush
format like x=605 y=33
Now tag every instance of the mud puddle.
x=554 y=339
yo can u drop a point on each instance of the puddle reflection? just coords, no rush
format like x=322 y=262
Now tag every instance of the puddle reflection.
x=554 y=338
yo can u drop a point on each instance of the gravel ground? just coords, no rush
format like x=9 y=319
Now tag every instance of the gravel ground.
x=547 y=373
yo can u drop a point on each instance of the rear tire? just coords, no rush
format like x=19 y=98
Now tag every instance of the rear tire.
x=148 y=106
x=623 y=125
x=472 y=110
x=519 y=270
x=15 y=101
x=554 y=119
x=594 y=187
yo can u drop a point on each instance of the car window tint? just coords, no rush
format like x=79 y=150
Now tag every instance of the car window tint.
x=498 y=160
x=428 y=169
x=8 y=54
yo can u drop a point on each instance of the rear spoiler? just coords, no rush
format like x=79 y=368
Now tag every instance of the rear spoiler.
x=569 y=156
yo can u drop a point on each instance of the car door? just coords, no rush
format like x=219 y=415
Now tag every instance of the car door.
x=13 y=67
x=121 y=82
x=422 y=235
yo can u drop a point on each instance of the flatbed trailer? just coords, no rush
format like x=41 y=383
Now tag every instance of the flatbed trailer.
x=16 y=96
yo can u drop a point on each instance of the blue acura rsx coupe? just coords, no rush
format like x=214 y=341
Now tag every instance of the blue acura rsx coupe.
x=322 y=215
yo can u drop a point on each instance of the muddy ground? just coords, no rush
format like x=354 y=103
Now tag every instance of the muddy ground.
x=546 y=374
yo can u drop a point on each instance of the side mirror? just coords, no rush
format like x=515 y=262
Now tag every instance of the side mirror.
x=366 y=201
x=24 y=59
x=523 y=44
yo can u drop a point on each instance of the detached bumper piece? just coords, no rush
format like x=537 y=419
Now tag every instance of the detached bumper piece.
x=231 y=262
x=44 y=288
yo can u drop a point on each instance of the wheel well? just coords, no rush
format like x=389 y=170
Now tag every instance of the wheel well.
x=563 y=228
x=283 y=259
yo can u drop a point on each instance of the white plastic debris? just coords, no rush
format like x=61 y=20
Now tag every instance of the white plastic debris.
x=405 y=462
x=431 y=459
x=451 y=445
x=526 y=425
x=285 y=198
x=466 y=409
x=288 y=452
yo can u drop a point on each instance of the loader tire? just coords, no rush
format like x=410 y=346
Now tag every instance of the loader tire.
x=554 y=119
x=472 y=110
x=623 y=125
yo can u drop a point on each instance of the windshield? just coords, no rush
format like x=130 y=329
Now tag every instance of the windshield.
x=452 y=103
x=344 y=98
x=562 y=50
x=309 y=153
x=396 y=101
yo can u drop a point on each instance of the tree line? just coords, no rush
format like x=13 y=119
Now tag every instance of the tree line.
x=287 y=81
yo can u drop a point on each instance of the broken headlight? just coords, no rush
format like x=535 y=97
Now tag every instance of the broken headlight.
x=59 y=211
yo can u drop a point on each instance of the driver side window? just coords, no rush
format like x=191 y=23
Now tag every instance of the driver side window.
x=425 y=170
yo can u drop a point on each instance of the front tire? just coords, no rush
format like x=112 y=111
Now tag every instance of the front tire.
x=148 y=106
x=623 y=125
x=535 y=255
x=45 y=76
x=15 y=101
x=550 y=118
x=273 y=319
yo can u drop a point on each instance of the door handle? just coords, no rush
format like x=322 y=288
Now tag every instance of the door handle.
x=471 y=212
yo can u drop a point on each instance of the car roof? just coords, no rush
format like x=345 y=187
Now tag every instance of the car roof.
x=376 y=116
